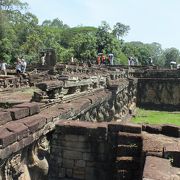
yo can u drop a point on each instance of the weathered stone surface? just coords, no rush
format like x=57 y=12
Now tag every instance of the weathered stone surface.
x=82 y=128
x=6 y=137
x=34 y=122
x=67 y=163
x=172 y=151
x=18 y=113
x=19 y=129
x=79 y=173
x=49 y=85
x=72 y=154
x=171 y=130
x=155 y=129
x=5 y=117
x=151 y=96
x=33 y=107
x=159 y=168
x=80 y=163
x=127 y=127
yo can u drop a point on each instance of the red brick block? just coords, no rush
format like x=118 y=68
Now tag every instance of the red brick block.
x=34 y=122
x=33 y=107
x=18 y=113
x=5 y=117
x=6 y=137
x=19 y=129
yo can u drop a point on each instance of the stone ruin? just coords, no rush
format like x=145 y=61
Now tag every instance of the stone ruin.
x=77 y=126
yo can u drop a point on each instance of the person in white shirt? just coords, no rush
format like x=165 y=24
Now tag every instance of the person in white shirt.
x=43 y=59
x=3 y=67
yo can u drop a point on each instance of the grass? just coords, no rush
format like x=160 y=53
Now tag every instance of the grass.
x=157 y=117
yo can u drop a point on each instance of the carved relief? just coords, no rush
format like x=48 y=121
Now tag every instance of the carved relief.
x=38 y=164
x=15 y=168
x=28 y=164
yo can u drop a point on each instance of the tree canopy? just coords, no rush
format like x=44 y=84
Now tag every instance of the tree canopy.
x=22 y=35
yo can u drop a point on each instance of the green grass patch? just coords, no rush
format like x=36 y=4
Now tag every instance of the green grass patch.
x=156 y=117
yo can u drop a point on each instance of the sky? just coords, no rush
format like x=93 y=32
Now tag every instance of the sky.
x=149 y=20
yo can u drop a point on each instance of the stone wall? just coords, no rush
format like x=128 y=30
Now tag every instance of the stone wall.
x=80 y=151
x=93 y=151
x=160 y=94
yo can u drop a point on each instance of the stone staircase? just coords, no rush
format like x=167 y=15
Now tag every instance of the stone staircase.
x=128 y=154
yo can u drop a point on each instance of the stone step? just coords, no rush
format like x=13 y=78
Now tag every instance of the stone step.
x=129 y=150
x=128 y=163
x=129 y=139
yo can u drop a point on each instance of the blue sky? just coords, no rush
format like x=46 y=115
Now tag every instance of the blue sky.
x=149 y=20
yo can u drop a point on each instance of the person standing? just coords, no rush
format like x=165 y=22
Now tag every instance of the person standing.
x=43 y=59
x=3 y=68
x=23 y=65
x=98 y=60
x=18 y=66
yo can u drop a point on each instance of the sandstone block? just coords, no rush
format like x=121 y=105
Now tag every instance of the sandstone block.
x=6 y=137
x=171 y=130
x=68 y=163
x=155 y=129
x=72 y=154
x=128 y=127
x=5 y=117
x=79 y=173
x=69 y=173
x=34 y=122
x=19 y=129
x=18 y=113
x=33 y=107
x=80 y=163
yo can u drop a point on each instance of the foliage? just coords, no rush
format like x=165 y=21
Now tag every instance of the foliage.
x=120 y=30
x=171 y=54
x=21 y=34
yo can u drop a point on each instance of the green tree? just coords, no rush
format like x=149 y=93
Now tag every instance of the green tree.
x=120 y=30
x=84 y=46
x=171 y=54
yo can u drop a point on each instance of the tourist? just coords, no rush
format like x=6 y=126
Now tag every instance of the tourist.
x=23 y=65
x=129 y=61
x=72 y=59
x=3 y=67
x=43 y=59
x=111 y=59
x=18 y=66
x=103 y=59
x=98 y=60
